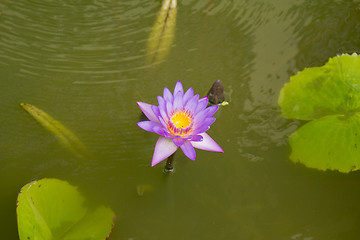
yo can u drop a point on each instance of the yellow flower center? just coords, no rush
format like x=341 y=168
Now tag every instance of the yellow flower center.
x=180 y=123
x=181 y=119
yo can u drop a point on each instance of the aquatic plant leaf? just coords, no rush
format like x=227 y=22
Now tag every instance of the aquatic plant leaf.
x=331 y=142
x=163 y=32
x=320 y=91
x=330 y=96
x=53 y=209
x=63 y=134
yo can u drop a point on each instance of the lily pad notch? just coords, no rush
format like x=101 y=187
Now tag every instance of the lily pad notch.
x=53 y=209
x=329 y=98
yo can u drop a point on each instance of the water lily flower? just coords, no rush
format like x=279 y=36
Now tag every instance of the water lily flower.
x=181 y=120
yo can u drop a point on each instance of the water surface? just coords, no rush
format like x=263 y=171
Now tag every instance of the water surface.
x=84 y=63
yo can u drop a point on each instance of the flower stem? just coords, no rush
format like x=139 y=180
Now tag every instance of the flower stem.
x=169 y=167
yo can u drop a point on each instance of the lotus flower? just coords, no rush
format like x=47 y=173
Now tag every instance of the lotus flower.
x=181 y=120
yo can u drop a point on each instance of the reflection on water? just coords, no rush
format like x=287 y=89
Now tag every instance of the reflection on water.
x=265 y=128
x=85 y=62
x=330 y=28
x=70 y=40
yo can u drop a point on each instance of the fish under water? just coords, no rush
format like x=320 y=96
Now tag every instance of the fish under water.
x=162 y=33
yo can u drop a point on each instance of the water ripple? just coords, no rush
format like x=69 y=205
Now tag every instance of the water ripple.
x=75 y=37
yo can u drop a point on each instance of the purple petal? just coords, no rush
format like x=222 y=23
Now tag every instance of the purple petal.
x=156 y=111
x=164 y=115
x=168 y=135
x=188 y=150
x=207 y=144
x=208 y=121
x=147 y=110
x=192 y=103
x=199 y=118
x=159 y=130
x=197 y=138
x=204 y=126
x=167 y=95
x=211 y=110
x=203 y=102
x=163 y=123
x=169 y=108
x=201 y=129
x=178 y=88
x=178 y=102
x=206 y=99
x=178 y=141
x=189 y=94
x=162 y=104
x=164 y=148
x=149 y=126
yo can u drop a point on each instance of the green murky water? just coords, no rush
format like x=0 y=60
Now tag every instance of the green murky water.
x=84 y=63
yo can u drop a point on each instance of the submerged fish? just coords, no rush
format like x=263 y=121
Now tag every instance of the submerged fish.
x=62 y=133
x=163 y=32
x=144 y=188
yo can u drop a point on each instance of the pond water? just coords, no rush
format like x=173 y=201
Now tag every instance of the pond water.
x=84 y=63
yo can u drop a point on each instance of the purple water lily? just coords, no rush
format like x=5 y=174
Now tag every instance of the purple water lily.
x=181 y=120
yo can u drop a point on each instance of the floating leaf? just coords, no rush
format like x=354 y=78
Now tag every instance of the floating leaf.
x=320 y=91
x=53 y=209
x=331 y=142
x=162 y=33
x=330 y=96
x=65 y=136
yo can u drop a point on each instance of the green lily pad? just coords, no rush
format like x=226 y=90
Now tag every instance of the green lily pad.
x=331 y=142
x=53 y=209
x=330 y=96
x=321 y=91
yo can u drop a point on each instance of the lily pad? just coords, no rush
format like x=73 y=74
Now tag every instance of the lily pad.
x=53 y=209
x=331 y=142
x=330 y=96
x=321 y=91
